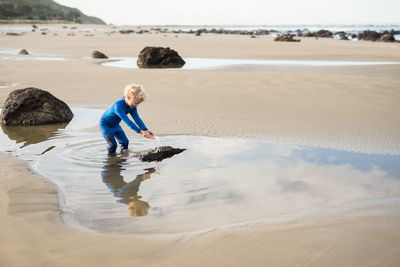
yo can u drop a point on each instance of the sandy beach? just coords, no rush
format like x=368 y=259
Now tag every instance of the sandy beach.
x=352 y=108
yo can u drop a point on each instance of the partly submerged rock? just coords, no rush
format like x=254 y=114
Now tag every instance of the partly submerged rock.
x=33 y=106
x=161 y=153
x=159 y=57
x=98 y=54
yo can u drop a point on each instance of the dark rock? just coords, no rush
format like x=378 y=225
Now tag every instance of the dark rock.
x=13 y=33
x=369 y=35
x=98 y=54
x=387 y=37
x=307 y=34
x=23 y=52
x=286 y=38
x=159 y=57
x=34 y=26
x=33 y=106
x=323 y=34
x=342 y=35
x=161 y=153
x=126 y=31
x=44 y=33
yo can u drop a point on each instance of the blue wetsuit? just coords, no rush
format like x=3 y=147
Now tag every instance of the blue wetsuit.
x=110 y=128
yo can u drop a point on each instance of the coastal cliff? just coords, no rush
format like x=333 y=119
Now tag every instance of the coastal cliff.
x=46 y=11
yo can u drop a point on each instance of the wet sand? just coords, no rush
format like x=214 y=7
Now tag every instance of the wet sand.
x=351 y=108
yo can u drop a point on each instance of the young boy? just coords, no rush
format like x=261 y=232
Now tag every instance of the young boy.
x=109 y=122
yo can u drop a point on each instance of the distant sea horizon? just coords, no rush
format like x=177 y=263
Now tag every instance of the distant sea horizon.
x=280 y=27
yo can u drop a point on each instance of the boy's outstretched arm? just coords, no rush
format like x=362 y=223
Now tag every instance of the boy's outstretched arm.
x=120 y=112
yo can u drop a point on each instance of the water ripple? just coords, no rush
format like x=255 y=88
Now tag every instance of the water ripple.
x=214 y=184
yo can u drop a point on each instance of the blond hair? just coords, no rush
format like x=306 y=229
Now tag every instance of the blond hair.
x=135 y=90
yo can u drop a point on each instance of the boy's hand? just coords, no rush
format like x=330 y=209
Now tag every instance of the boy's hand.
x=147 y=134
x=150 y=133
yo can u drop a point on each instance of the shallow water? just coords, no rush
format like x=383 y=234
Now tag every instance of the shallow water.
x=215 y=183
x=31 y=57
x=215 y=63
x=9 y=51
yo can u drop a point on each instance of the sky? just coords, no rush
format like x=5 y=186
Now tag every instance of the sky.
x=240 y=12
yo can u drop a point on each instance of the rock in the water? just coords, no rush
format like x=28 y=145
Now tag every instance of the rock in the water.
x=369 y=35
x=23 y=52
x=387 y=37
x=33 y=106
x=161 y=153
x=344 y=37
x=159 y=57
x=98 y=54
x=286 y=38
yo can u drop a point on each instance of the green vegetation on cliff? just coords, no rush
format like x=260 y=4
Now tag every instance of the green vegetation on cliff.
x=42 y=10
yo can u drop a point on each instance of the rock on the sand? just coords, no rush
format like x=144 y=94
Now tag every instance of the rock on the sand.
x=161 y=153
x=98 y=54
x=159 y=57
x=33 y=106
x=13 y=33
x=23 y=52
x=286 y=38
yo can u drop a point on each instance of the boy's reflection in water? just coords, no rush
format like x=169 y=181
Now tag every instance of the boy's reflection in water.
x=126 y=192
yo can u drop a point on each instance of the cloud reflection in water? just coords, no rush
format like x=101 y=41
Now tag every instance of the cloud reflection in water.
x=216 y=181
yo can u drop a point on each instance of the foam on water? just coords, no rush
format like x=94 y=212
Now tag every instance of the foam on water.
x=216 y=183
